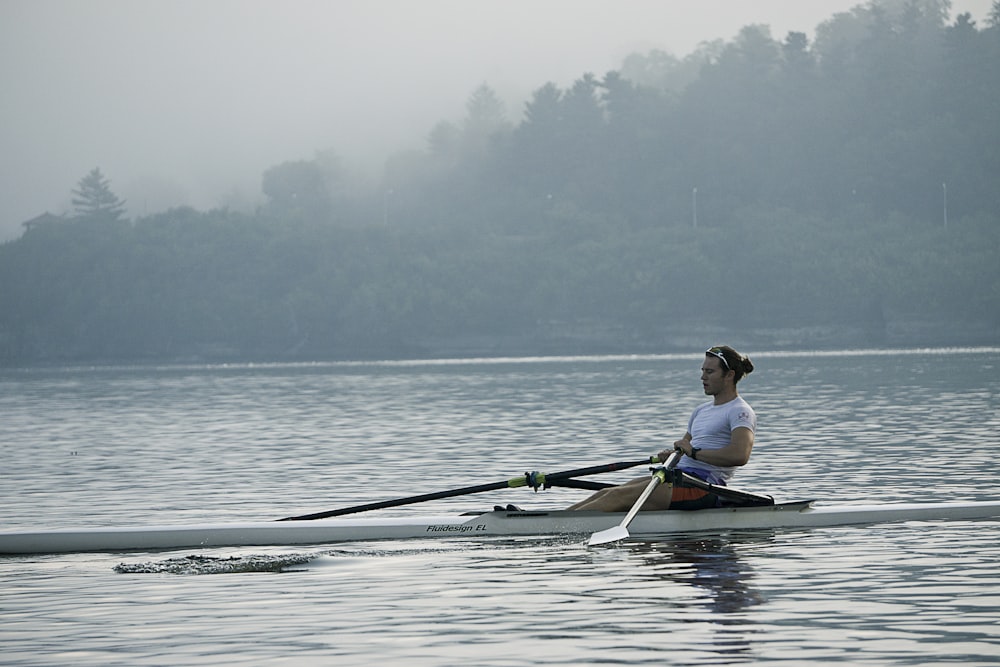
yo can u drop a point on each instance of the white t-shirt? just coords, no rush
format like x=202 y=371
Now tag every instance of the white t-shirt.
x=711 y=427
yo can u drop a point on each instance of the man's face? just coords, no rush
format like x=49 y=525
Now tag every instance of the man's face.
x=713 y=376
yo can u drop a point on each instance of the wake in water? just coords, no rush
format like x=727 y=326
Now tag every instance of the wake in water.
x=353 y=559
x=195 y=564
x=216 y=564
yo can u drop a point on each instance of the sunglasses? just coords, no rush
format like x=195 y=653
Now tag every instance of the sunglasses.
x=717 y=352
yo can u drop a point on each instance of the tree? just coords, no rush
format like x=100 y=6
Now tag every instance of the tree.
x=94 y=198
x=485 y=120
x=443 y=140
x=301 y=187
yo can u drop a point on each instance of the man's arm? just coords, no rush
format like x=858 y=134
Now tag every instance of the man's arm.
x=736 y=453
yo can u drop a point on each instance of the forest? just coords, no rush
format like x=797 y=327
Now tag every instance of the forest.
x=770 y=193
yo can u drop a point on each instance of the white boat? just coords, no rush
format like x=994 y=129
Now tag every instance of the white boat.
x=488 y=524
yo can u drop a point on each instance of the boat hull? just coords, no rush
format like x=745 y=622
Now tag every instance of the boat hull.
x=489 y=524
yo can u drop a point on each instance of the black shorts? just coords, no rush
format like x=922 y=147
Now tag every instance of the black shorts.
x=691 y=498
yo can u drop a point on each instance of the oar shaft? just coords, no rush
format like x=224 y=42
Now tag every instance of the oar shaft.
x=384 y=504
x=528 y=479
x=595 y=470
x=620 y=532
x=579 y=484
x=724 y=491
x=659 y=477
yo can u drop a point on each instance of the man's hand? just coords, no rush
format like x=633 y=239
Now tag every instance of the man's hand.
x=682 y=445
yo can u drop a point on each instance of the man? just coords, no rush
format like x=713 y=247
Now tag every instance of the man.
x=718 y=440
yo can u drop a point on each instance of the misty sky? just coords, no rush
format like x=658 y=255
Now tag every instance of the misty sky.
x=189 y=101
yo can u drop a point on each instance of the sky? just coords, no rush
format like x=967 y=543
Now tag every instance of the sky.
x=188 y=102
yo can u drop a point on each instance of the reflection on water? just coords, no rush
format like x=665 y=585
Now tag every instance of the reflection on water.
x=711 y=564
x=708 y=562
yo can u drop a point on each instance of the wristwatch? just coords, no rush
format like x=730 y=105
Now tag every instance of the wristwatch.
x=694 y=452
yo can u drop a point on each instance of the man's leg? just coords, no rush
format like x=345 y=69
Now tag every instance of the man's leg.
x=621 y=498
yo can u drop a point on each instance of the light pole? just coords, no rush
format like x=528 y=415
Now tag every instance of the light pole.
x=694 y=208
x=944 y=194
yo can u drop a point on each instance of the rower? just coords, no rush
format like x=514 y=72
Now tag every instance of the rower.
x=719 y=438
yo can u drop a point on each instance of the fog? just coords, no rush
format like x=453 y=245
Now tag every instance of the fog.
x=187 y=102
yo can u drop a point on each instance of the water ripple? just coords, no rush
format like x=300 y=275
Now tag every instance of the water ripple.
x=129 y=445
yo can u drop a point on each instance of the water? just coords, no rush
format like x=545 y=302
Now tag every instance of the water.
x=134 y=445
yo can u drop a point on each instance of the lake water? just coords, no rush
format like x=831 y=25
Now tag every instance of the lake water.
x=175 y=444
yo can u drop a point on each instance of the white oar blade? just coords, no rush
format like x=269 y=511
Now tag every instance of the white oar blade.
x=616 y=534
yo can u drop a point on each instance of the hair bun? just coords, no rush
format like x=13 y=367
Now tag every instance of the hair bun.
x=747 y=364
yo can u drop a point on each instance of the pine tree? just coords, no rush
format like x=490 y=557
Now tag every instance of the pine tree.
x=94 y=198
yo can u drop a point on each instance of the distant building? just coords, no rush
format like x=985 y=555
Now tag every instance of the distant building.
x=42 y=220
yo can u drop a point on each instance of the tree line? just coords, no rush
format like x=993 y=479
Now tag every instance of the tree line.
x=775 y=192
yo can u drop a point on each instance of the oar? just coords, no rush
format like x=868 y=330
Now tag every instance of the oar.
x=532 y=479
x=745 y=498
x=620 y=532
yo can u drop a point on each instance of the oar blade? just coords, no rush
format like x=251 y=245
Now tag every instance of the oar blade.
x=615 y=534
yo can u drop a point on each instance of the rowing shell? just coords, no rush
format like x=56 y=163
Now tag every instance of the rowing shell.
x=489 y=524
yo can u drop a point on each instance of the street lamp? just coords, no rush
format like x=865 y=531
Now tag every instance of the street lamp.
x=944 y=193
x=694 y=208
